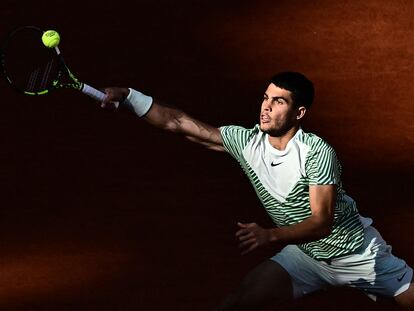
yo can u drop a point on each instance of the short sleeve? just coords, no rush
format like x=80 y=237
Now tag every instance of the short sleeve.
x=235 y=138
x=323 y=167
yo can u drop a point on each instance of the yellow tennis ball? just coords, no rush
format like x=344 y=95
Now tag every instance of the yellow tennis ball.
x=51 y=38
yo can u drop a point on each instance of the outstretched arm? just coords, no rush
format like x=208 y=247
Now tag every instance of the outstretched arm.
x=166 y=117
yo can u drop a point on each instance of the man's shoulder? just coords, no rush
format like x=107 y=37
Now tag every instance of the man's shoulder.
x=239 y=127
x=237 y=130
x=314 y=141
x=235 y=138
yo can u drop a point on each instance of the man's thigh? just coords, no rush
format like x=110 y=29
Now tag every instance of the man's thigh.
x=265 y=285
x=269 y=280
x=406 y=299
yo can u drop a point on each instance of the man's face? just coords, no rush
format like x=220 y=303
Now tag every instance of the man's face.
x=278 y=114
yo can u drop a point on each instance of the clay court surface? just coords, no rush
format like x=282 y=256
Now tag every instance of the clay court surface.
x=102 y=212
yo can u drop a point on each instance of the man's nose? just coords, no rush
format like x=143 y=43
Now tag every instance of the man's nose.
x=266 y=105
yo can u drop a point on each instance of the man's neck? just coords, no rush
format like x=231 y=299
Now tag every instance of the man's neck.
x=280 y=142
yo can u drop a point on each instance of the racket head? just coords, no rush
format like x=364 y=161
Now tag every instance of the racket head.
x=27 y=64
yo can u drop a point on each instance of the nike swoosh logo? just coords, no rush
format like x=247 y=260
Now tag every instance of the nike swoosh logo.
x=275 y=164
x=400 y=279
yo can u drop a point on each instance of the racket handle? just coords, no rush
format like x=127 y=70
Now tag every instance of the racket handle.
x=95 y=94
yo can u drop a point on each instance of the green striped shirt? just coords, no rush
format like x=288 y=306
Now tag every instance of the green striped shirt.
x=281 y=180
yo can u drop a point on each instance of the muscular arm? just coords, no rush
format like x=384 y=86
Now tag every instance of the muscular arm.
x=169 y=119
x=315 y=227
x=176 y=121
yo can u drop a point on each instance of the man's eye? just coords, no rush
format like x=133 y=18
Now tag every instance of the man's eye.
x=279 y=101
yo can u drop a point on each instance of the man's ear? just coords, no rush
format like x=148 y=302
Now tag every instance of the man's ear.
x=300 y=113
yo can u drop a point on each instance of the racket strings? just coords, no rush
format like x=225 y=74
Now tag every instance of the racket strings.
x=32 y=80
x=42 y=78
x=46 y=75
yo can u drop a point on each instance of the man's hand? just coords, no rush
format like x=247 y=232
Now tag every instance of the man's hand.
x=252 y=236
x=114 y=94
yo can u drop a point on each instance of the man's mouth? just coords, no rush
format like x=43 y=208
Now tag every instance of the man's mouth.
x=264 y=118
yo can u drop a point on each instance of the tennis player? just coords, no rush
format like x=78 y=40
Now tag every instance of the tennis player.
x=297 y=177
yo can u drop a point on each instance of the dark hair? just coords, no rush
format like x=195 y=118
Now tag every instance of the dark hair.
x=301 y=87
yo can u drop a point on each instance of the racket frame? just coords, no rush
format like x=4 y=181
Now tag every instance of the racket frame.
x=57 y=83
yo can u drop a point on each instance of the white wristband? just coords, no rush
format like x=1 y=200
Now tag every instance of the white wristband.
x=138 y=102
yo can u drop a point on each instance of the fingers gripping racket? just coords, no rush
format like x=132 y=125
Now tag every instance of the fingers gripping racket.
x=34 y=69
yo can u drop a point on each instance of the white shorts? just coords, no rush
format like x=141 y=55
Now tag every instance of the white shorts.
x=371 y=268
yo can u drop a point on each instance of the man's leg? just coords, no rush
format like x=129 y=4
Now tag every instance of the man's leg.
x=406 y=299
x=268 y=283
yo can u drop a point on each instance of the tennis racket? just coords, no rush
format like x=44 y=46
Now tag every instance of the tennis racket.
x=34 y=69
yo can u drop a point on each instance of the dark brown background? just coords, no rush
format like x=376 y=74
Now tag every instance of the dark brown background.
x=102 y=212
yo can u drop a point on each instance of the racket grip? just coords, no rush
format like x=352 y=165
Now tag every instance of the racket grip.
x=95 y=94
